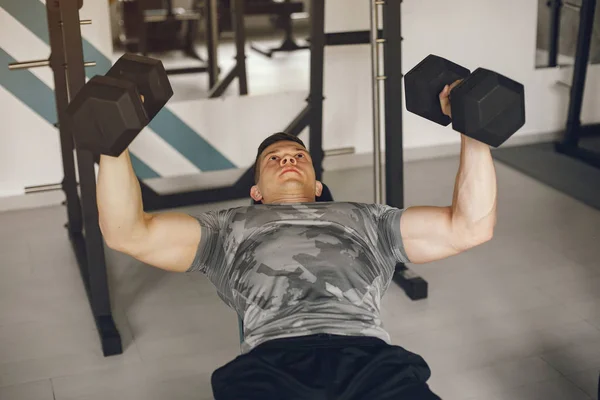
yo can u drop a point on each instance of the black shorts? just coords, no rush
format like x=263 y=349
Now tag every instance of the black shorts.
x=324 y=367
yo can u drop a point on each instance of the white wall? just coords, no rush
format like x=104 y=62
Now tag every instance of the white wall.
x=488 y=33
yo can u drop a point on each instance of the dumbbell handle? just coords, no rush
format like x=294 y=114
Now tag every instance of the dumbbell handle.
x=448 y=111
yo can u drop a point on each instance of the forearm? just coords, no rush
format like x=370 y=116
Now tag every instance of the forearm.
x=475 y=191
x=120 y=207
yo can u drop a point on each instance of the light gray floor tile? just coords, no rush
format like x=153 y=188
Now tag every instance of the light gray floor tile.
x=121 y=382
x=576 y=358
x=38 y=390
x=178 y=378
x=588 y=381
x=556 y=389
x=487 y=381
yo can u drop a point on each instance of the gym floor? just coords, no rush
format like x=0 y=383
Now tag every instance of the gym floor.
x=516 y=318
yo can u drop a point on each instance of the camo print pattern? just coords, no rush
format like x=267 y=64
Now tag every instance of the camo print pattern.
x=300 y=269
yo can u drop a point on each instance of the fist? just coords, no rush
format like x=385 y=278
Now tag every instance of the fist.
x=445 y=98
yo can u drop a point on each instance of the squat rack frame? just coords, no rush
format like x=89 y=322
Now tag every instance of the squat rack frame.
x=68 y=66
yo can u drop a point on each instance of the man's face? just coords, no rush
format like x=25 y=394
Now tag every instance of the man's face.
x=286 y=175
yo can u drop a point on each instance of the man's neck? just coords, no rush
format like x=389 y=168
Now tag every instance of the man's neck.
x=291 y=199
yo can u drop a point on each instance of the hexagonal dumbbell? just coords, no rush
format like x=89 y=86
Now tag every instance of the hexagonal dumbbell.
x=486 y=106
x=110 y=111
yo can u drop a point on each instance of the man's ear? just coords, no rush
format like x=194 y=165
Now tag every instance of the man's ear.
x=255 y=193
x=318 y=189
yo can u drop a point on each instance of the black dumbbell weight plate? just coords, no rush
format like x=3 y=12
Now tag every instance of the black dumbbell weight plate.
x=150 y=77
x=488 y=107
x=425 y=82
x=106 y=115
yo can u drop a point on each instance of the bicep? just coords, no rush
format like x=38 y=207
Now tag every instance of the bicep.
x=427 y=234
x=170 y=241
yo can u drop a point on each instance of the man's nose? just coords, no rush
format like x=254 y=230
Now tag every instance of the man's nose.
x=288 y=160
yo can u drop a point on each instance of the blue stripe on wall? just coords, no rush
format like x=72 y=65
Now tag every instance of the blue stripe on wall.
x=32 y=14
x=40 y=98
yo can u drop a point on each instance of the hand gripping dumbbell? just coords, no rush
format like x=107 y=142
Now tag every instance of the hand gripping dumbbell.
x=109 y=111
x=486 y=106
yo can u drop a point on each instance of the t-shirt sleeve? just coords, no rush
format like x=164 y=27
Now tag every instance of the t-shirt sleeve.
x=210 y=254
x=389 y=235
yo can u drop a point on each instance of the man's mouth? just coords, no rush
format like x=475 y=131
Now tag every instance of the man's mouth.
x=289 y=170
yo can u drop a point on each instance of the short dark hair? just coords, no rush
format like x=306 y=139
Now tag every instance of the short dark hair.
x=274 y=138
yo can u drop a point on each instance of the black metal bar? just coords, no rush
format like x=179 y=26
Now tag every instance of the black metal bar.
x=415 y=287
x=315 y=99
x=589 y=157
x=299 y=123
x=589 y=130
x=212 y=39
x=349 y=38
x=93 y=265
x=169 y=6
x=288 y=44
x=392 y=60
x=239 y=69
x=582 y=57
x=140 y=23
x=218 y=87
x=276 y=8
x=190 y=70
x=555 y=13
x=69 y=182
x=221 y=86
x=239 y=30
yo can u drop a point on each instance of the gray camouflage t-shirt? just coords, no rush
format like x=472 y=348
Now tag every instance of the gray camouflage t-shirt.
x=301 y=269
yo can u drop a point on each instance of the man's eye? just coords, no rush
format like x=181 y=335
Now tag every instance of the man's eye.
x=300 y=155
x=273 y=158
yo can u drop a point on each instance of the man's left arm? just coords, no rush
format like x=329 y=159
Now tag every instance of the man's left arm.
x=434 y=233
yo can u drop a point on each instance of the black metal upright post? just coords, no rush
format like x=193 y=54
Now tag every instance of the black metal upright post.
x=415 y=287
x=239 y=30
x=88 y=245
x=555 y=13
x=392 y=60
x=315 y=100
x=582 y=58
x=212 y=40
x=239 y=69
x=57 y=62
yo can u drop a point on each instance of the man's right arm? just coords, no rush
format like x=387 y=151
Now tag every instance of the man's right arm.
x=163 y=240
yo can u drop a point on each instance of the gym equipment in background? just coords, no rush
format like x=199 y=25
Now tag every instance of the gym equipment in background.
x=284 y=12
x=157 y=26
